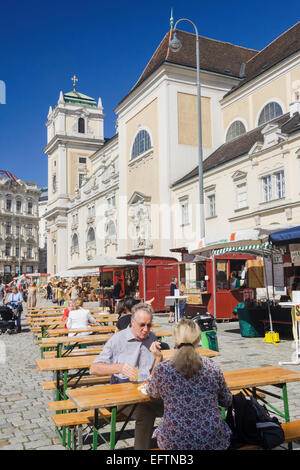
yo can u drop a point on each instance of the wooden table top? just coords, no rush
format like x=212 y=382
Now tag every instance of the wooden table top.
x=259 y=377
x=84 y=339
x=65 y=331
x=100 y=329
x=105 y=396
x=57 y=315
x=84 y=362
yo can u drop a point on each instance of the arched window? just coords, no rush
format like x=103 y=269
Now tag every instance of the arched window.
x=142 y=142
x=75 y=241
x=81 y=125
x=91 y=235
x=269 y=112
x=236 y=129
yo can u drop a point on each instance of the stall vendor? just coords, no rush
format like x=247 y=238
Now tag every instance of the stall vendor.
x=234 y=281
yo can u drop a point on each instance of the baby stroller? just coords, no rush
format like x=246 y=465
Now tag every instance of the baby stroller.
x=7 y=320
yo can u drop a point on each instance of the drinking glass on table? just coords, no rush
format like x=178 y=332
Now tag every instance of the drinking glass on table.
x=136 y=375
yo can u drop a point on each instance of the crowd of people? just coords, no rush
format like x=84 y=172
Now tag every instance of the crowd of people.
x=59 y=292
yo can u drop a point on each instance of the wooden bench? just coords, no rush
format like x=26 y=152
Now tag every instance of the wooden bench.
x=75 y=352
x=84 y=381
x=67 y=422
x=291 y=433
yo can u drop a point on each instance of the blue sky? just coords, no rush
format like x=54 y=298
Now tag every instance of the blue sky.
x=107 y=45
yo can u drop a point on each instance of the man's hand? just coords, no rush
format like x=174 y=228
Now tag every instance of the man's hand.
x=128 y=371
x=155 y=348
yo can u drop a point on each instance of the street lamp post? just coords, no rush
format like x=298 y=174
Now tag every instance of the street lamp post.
x=175 y=45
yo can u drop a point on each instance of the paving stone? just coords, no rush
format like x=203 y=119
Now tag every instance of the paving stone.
x=36 y=444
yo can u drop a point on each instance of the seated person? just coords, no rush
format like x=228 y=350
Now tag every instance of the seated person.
x=136 y=346
x=192 y=388
x=125 y=316
x=79 y=319
x=69 y=305
x=124 y=309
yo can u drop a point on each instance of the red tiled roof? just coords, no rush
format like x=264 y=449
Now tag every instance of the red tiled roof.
x=282 y=47
x=215 y=56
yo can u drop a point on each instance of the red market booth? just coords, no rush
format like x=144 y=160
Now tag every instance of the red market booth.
x=209 y=289
x=218 y=256
x=150 y=278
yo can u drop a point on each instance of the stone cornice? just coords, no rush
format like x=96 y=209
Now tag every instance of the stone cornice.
x=68 y=140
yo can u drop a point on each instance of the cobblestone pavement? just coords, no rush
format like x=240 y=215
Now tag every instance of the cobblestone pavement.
x=25 y=421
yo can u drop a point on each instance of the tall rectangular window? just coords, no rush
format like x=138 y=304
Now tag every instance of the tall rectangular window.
x=8 y=205
x=241 y=195
x=267 y=188
x=18 y=205
x=211 y=199
x=280 y=184
x=29 y=207
x=184 y=211
x=7 y=249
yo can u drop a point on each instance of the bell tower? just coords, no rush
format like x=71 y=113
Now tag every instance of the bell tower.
x=75 y=131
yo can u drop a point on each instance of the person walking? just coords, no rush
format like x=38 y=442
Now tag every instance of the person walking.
x=2 y=293
x=32 y=294
x=173 y=286
x=14 y=301
x=49 y=291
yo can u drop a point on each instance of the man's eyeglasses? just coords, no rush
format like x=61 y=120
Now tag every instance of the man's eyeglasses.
x=142 y=325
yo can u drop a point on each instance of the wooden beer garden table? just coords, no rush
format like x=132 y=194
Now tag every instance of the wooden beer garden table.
x=58 y=342
x=62 y=366
x=50 y=329
x=121 y=395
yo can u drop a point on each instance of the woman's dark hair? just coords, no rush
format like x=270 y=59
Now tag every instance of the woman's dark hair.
x=121 y=307
x=129 y=302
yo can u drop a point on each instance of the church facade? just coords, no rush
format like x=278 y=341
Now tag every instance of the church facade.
x=137 y=192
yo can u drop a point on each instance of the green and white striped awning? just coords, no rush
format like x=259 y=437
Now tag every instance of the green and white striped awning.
x=259 y=249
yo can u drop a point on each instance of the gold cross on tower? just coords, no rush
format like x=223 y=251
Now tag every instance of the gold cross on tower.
x=74 y=79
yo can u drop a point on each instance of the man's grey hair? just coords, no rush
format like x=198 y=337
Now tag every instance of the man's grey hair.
x=141 y=306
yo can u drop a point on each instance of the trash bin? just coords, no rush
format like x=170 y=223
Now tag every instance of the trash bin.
x=209 y=340
x=249 y=327
x=208 y=328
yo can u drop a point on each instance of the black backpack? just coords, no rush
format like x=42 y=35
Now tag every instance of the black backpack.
x=251 y=423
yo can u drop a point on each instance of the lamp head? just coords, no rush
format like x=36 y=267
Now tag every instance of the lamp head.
x=175 y=43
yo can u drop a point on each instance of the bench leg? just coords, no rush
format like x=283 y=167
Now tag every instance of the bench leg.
x=113 y=428
x=95 y=430
x=79 y=437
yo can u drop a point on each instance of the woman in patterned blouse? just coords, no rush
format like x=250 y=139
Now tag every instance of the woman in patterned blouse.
x=192 y=388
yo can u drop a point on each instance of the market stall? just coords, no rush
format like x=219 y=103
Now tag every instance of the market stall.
x=105 y=264
x=258 y=314
x=151 y=278
x=142 y=277
x=289 y=241
x=208 y=287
